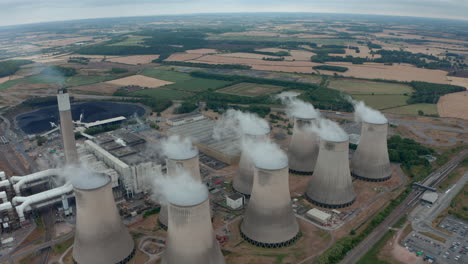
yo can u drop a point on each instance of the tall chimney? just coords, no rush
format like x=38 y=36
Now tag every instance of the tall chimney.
x=67 y=127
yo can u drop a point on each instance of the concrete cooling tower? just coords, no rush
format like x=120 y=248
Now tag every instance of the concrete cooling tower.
x=370 y=162
x=190 y=164
x=303 y=148
x=331 y=184
x=67 y=127
x=100 y=235
x=243 y=180
x=190 y=236
x=269 y=220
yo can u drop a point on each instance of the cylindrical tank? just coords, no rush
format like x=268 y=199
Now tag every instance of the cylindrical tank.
x=67 y=127
x=190 y=236
x=269 y=220
x=100 y=235
x=243 y=180
x=370 y=162
x=172 y=164
x=331 y=184
x=303 y=148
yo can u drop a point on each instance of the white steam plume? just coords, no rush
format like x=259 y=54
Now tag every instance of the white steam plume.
x=363 y=113
x=329 y=130
x=120 y=142
x=239 y=123
x=83 y=177
x=180 y=189
x=296 y=107
x=265 y=154
x=175 y=147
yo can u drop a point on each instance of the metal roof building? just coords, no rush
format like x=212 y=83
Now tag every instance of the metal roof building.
x=201 y=134
x=319 y=216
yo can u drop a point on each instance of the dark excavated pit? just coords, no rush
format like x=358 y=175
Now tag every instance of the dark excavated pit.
x=39 y=120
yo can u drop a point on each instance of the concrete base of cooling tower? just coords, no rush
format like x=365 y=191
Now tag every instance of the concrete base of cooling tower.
x=324 y=205
x=300 y=172
x=123 y=261
x=163 y=226
x=271 y=245
x=371 y=179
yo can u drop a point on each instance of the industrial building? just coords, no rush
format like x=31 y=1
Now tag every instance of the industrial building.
x=235 y=201
x=430 y=197
x=190 y=236
x=100 y=235
x=201 y=134
x=331 y=184
x=370 y=162
x=303 y=148
x=269 y=220
x=318 y=216
x=185 y=119
x=243 y=181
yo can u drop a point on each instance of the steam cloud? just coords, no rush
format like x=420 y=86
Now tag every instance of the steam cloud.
x=329 y=130
x=83 y=177
x=363 y=113
x=265 y=154
x=239 y=123
x=180 y=189
x=296 y=107
x=175 y=147
x=120 y=142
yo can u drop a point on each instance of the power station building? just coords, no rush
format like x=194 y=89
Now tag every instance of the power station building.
x=331 y=184
x=190 y=236
x=269 y=220
x=100 y=235
x=303 y=148
x=370 y=162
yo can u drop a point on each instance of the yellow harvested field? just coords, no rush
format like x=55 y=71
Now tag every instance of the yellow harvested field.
x=215 y=59
x=454 y=105
x=255 y=34
x=401 y=72
x=458 y=81
x=134 y=60
x=301 y=55
x=202 y=51
x=140 y=80
x=183 y=57
x=271 y=50
x=7 y=78
x=283 y=68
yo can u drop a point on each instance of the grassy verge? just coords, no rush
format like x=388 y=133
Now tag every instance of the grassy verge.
x=372 y=256
x=435 y=237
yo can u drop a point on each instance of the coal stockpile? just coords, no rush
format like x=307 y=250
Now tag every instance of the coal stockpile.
x=39 y=121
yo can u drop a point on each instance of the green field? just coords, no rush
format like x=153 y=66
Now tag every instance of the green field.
x=382 y=101
x=167 y=75
x=428 y=109
x=251 y=89
x=367 y=87
x=130 y=41
x=162 y=93
x=322 y=41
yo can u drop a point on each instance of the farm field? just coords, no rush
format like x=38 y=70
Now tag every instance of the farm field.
x=428 y=109
x=382 y=101
x=201 y=51
x=130 y=41
x=166 y=75
x=284 y=38
x=140 y=80
x=183 y=56
x=197 y=85
x=163 y=93
x=367 y=87
x=454 y=105
x=134 y=60
x=250 y=89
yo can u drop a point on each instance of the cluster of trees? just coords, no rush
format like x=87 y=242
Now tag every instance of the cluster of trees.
x=185 y=107
x=322 y=58
x=330 y=68
x=80 y=60
x=273 y=59
x=420 y=60
x=407 y=152
x=431 y=92
x=205 y=65
x=9 y=67
x=116 y=70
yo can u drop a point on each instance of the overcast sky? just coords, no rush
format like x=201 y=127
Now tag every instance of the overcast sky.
x=31 y=11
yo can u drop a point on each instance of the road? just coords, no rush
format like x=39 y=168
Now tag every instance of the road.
x=355 y=254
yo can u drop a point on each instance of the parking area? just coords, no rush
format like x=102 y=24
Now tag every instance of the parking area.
x=452 y=251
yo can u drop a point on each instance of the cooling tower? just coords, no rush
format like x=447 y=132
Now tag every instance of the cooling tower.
x=331 y=184
x=243 y=180
x=100 y=235
x=67 y=127
x=172 y=164
x=190 y=236
x=304 y=148
x=370 y=162
x=269 y=220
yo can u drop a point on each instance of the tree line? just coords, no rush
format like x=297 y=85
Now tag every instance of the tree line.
x=10 y=67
